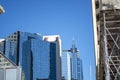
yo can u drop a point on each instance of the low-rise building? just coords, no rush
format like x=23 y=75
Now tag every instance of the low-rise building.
x=8 y=70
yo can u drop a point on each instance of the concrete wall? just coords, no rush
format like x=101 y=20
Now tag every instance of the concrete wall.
x=10 y=74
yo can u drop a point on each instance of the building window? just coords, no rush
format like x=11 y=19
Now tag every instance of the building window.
x=14 y=36
x=97 y=4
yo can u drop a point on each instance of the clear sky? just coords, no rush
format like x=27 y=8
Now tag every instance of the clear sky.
x=66 y=18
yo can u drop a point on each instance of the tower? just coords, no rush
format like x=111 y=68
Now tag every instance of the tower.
x=39 y=56
x=75 y=70
x=55 y=55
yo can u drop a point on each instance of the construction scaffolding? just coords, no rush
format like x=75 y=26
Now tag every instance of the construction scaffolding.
x=107 y=26
x=111 y=44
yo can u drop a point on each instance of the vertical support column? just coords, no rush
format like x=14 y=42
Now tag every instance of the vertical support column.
x=106 y=55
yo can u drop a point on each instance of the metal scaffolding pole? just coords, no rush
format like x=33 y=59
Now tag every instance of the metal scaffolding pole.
x=107 y=75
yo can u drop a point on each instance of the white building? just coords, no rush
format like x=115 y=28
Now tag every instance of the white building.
x=8 y=70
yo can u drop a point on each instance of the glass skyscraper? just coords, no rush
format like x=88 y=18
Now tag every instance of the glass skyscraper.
x=39 y=56
x=55 y=56
x=71 y=64
x=66 y=67
x=40 y=50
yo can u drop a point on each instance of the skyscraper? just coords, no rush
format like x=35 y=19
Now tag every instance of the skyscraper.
x=55 y=56
x=74 y=62
x=39 y=56
x=66 y=67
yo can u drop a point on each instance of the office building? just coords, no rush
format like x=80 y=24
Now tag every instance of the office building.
x=106 y=21
x=40 y=51
x=39 y=56
x=55 y=56
x=72 y=64
x=66 y=67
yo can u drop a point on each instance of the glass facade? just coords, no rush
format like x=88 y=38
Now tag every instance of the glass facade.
x=41 y=59
x=26 y=60
x=25 y=55
x=66 y=71
x=17 y=47
x=53 y=61
x=80 y=69
x=55 y=56
x=37 y=57
x=73 y=66
x=11 y=50
x=72 y=58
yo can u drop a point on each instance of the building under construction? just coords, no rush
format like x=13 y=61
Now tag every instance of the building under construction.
x=106 y=26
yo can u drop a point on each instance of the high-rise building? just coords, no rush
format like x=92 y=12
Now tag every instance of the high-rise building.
x=40 y=50
x=106 y=27
x=66 y=67
x=39 y=56
x=72 y=64
x=55 y=56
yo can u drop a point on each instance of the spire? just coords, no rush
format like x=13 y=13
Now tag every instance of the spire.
x=73 y=43
x=74 y=49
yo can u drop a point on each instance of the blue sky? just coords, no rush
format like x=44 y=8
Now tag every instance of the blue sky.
x=67 y=18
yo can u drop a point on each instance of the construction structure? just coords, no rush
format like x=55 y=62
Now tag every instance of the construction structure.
x=106 y=26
